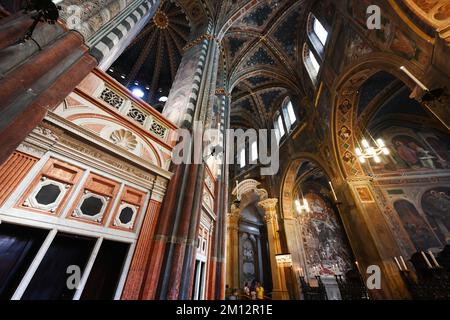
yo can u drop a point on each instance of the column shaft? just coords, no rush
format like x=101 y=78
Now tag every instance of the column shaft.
x=279 y=291
x=135 y=281
x=35 y=78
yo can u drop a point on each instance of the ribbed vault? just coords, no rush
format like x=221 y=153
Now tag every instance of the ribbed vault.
x=151 y=61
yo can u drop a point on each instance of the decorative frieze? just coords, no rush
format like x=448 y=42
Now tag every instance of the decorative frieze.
x=99 y=156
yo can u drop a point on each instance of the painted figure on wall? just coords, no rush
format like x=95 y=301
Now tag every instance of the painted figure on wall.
x=409 y=153
x=414 y=151
x=326 y=248
x=436 y=205
x=412 y=154
x=416 y=226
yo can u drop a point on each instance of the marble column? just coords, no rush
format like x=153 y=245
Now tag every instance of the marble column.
x=223 y=123
x=135 y=284
x=36 y=75
x=190 y=100
x=108 y=43
x=210 y=267
x=279 y=291
x=88 y=16
x=232 y=247
x=108 y=26
x=292 y=229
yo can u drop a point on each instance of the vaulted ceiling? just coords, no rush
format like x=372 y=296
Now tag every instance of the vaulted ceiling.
x=261 y=43
x=262 y=53
x=152 y=59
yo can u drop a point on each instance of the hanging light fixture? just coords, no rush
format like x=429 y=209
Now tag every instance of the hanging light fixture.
x=369 y=152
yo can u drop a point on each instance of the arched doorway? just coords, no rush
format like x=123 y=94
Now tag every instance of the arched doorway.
x=315 y=235
x=374 y=103
x=247 y=243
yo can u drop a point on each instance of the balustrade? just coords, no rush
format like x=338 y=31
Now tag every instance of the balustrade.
x=124 y=106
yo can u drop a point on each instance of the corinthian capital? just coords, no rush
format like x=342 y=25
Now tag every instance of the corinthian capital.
x=269 y=204
x=233 y=218
x=270 y=209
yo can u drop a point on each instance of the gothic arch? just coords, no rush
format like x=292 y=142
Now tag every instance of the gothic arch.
x=424 y=17
x=283 y=79
x=289 y=180
x=236 y=16
x=346 y=93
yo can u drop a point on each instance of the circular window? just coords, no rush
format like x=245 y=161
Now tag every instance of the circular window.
x=48 y=194
x=126 y=215
x=91 y=206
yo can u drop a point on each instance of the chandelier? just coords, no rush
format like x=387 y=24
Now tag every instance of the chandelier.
x=371 y=152
x=300 y=207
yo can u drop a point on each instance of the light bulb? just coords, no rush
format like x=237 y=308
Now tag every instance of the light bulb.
x=365 y=143
x=377 y=159
x=137 y=92
x=362 y=159
x=380 y=143
x=358 y=152
x=386 y=151
x=371 y=151
x=306 y=204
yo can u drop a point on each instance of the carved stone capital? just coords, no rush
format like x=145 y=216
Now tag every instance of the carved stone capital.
x=159 y=189
x=233 y=219
x=198 y=40
x=222 y=92
x=269 y=204
x=270 y=209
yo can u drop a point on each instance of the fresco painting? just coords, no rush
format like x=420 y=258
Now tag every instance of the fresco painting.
x=326 y=248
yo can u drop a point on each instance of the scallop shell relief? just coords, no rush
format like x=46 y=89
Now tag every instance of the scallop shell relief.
x=124 y=139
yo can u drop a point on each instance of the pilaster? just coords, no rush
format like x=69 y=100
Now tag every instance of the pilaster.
x=134 y=286
x=232 y=247
x=279 y=291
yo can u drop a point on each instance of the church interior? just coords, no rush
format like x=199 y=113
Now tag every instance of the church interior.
x=129 y=169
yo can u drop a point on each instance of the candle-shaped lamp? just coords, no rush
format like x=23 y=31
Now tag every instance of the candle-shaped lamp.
x=332 y=191
x=403 y=263
x=398 y=264
x=433 y=258
x=426 y=260
x=410 y=75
